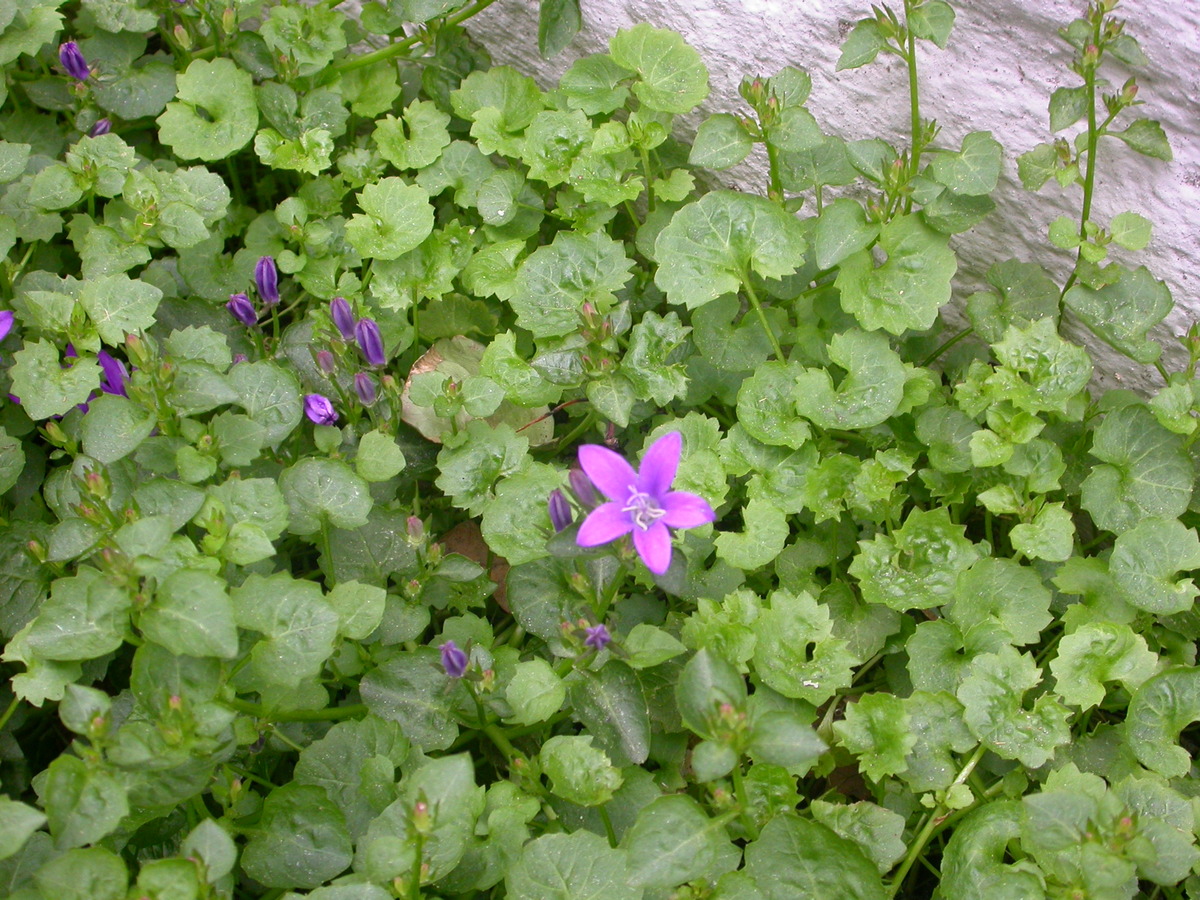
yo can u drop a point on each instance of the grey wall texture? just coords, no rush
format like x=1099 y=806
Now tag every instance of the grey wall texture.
x=1003 y=61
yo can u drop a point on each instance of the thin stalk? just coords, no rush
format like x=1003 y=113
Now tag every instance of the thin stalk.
x=739 y=789
x=608 y=826
x=914 y=99
x=762 y=316
x=1089 y=174
x=12 y=708
x=397 y=49
x=924 y=364
x=775 y=191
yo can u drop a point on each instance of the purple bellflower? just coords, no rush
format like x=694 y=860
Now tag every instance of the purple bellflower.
x=581 y=487
x=364 y=386
x=319 y=410
x=640 y=502
x=73 y=62
x=454 y=659
x=560 y=510
x=266 y=279
x=102 y=126
x=370 y=341
x=115 y=374
x=6 y=322
x=597 y=637
x=343 y=317
x=242 y=309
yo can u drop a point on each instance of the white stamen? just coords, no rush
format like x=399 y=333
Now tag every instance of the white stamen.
x=643 y=509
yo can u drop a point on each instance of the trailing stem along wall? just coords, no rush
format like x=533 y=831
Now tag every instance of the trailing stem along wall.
x=1003 y=61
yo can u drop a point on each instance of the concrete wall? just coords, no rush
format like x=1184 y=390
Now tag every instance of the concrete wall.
x=1003 y=61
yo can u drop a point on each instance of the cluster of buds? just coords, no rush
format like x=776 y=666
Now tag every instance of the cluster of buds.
x=562 y=514
x=352 y=339
x=266 y=284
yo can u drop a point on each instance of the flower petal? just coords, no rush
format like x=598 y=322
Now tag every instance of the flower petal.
x=608 y=471
x=659 y=464
x=605 y=523
x=686 y=510
x=654 y=547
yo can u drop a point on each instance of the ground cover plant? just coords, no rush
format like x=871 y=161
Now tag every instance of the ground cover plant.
x=420 y=484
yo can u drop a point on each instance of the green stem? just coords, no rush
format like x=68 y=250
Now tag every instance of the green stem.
x=12 y=708
x=608 y=826
x=328 y=714
x=762 y=316
x=503 y=744
x=400 y=47
x=1089 y=175
x=739 y=789
x=914 y=100
x=414 y=888
x=646 y=169
x=775 y=191
x=924 y=364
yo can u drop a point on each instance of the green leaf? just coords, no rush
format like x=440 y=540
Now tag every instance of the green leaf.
x=652 y=362
x=784 y=738
x=192 y=616
x=411 y=690
x=556 y=280
x=766 y=404
x=1067 y=106
x=308 y=35
x=213 y=113
x=611 y=704
x=17 y=823
x=553 y=141
x=798 y=859
x=576 y=866
x=862 y=45
x=1130 y=230
x=558 y=22
x=472 y=461
x=595 y=85
x=321 y=491
x=878 y=832
x=795 y=652
x=672 y=842
x=395 y=218
x=300 y=841
x=935 y=719
x=647 y=646
x=671 y=75
x=1023 y=294
x=84 y=617
x=417 y=140
x=360 y=608
x=706 y=683
x=83 y=804
x=270 y=394
x=1145 y=560
x=766 y=530
x=1099 y=652
x=578 y=772
x=870 y=392
x=721 y=141
x=974 y=866
x=297 y=623
x=842 y=229
x=992 y=695
x=1122 y=313
x=46 y=388
x=1147 y=474
x=1049 y=536
x=535 y=692
x=974 y=169
x=796 y=132
x=876 y=730
x=518 y=511
x=917 y=565
x=1146 y=137
x=114 y=427
x=379 y=457
x=932 y=21
x=909 y=288
x=91 y=874
x=1160 y=709
x=710 y=246
x=1001 y=594
x=310 y=153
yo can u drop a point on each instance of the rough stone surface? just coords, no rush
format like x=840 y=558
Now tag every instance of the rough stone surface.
x=1003 y=61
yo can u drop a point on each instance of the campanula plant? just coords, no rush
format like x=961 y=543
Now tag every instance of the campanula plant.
x=425 y=484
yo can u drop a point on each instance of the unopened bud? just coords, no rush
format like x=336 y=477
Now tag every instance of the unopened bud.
x=37 y=550
x=325 y=361
x=182 y=37
x=229 y=20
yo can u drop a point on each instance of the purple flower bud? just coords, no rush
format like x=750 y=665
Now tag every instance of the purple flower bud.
x=581 y=487
x=266 y=279
x=102 y=126
x=343 y=317
x=6 y=322
x=115 y=374
x=371 y=341
x=364 y=386
x=73 y=62
x=597 y=637
x=325 y=361
x=454 y=660
x=239 y=358
x=242 y=309
x=319 y=410
x=560 y=510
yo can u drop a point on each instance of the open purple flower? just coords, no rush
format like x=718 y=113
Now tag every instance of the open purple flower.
x=319 y=410
x=242 y=309
x=597 y=637
x=73 y=62
x=6 y=322
x=454 y=659
x=370 y=341
x=640 y=502
x=343 y=316
x=115 y=374
x=266 y=279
